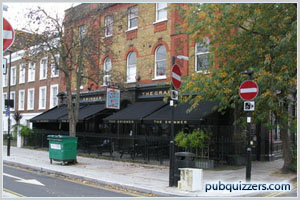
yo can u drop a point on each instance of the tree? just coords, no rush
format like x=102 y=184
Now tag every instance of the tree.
x=257 y=37
x=79 y=49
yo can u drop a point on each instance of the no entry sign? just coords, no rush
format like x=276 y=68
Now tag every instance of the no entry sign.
x=8 y=35
x=176 y=76
x=248 y=90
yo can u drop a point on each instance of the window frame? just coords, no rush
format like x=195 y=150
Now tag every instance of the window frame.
x=31 y=71
x=22 y=72
x=130 y=18
x=128 y=79
x=82 y=31
x=156 y=61
x=52 y=97
x=53 y=66
x=13 y=93
x=107 y=74
x=43 y=67
x=28 y=99
x=41 y=99
x=13 y=75
x=4 y=96
x=201 y=53
x=157 y=10
x=5 y=80
x=108 y=25
x=21 y=105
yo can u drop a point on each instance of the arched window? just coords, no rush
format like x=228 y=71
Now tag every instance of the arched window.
x=160 y=62
x=202 y=56
x=107 y=71
x=131 y=67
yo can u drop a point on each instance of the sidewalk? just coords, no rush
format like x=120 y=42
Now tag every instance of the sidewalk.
x=143 y=177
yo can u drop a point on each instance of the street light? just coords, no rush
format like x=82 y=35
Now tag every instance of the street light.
x=9 y=103
x=172 y=145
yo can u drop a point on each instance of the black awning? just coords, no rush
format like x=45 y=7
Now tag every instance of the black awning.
x=86 y=111
x=181 y=116
x=135 y=112
x=51 y=115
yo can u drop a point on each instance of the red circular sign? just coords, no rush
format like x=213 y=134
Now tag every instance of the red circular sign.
x=176 y=76
x=248 y=90
x=8 y=34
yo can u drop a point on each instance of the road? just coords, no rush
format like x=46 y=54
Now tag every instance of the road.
x=27 y=183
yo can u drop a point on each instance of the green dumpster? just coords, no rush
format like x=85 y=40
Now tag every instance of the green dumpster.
x=62 y=148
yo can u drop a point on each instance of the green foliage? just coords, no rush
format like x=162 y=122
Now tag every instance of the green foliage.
x=196 y=139
x=23 y=130
x=293 y=166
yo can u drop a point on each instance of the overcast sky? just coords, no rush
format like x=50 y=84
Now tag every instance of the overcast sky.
x=15 y=12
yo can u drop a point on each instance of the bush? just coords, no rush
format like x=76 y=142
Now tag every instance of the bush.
x=196 y=139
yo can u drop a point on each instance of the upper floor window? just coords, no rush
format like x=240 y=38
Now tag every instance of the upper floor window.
x=53 y=95
x=13 y=97
x=42 y=97
x=54 y=63
x=132 y=17
x=21 y=99
x=160 y=62
x=131 y=67
x=31 y=72
x=13 y=76
x=5 y=79
x=43 y=68
x=202 y=56
x=107 y=71
x=82 y=31
x=108 y=20
x=161 y=11
x=30 y=100
x=22 y=73
x=3 y=102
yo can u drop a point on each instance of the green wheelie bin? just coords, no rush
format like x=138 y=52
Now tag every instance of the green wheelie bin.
x=62 y=148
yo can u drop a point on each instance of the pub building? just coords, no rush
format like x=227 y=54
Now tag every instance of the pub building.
x=141 y=128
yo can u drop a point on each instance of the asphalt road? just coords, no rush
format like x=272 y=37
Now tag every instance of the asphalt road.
x=31 y=184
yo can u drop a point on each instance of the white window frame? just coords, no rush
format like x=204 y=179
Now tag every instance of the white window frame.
x=28 y=99
x=43 y=67
x=156 y=61
x=13 y=75
x=107 y=73
x=31 y=72
x=3 y=101
x=130 y=17
x=201 y=53
x=41 y=98
x=53 y=97
x=158 y=10
x=82 y=31
x=53 y=66
x=13 y=93
x=108 y=25
x=131 y=79
x=21 y=100
x=22 y=72
x=5 y=79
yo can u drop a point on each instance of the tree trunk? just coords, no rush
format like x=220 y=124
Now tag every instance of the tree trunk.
x=72 y=127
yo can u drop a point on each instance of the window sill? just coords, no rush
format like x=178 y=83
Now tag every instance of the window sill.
x=130 y=82
x=203 y=72
x=42 y=108
x=131 y=29
x=54 y=76
x=30 y=109
x=30 y=81
x=42 y=79
x=107 y=36
x=160 y=21
x=159 y=78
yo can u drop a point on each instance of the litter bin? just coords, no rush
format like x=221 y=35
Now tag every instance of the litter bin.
x=183 y=160
x=62 y=148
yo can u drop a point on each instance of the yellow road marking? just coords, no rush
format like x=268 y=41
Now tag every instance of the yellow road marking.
x=14 y=193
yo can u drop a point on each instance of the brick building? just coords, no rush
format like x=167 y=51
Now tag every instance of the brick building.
x=139 y=43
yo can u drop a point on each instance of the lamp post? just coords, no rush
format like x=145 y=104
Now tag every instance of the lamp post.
x=172 y=145
x=8 y=104
x=249 y=148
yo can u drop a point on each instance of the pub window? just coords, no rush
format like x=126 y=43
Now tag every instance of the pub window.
x=160 y=62
x=43 y=68
x=30 y=102
x=161 y=11
x=131 y=67
x=202 y=56
x=107 y=71
x=132 y=17
x=82 y=31
x=108 y=26
x=31 y=72
x=13 y=75
x=21 y=99
x=22 y=73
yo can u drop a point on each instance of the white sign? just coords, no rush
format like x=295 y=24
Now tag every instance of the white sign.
x=55 y=146
x=174 y=95
x=249 y=106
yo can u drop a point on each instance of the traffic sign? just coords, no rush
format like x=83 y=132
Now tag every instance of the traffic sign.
x=248 y=90
x=249 y=106
x=8 y=35
x=176 y=76
x=174 y=95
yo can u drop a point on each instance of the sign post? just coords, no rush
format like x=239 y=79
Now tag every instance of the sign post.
x=248 y=91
